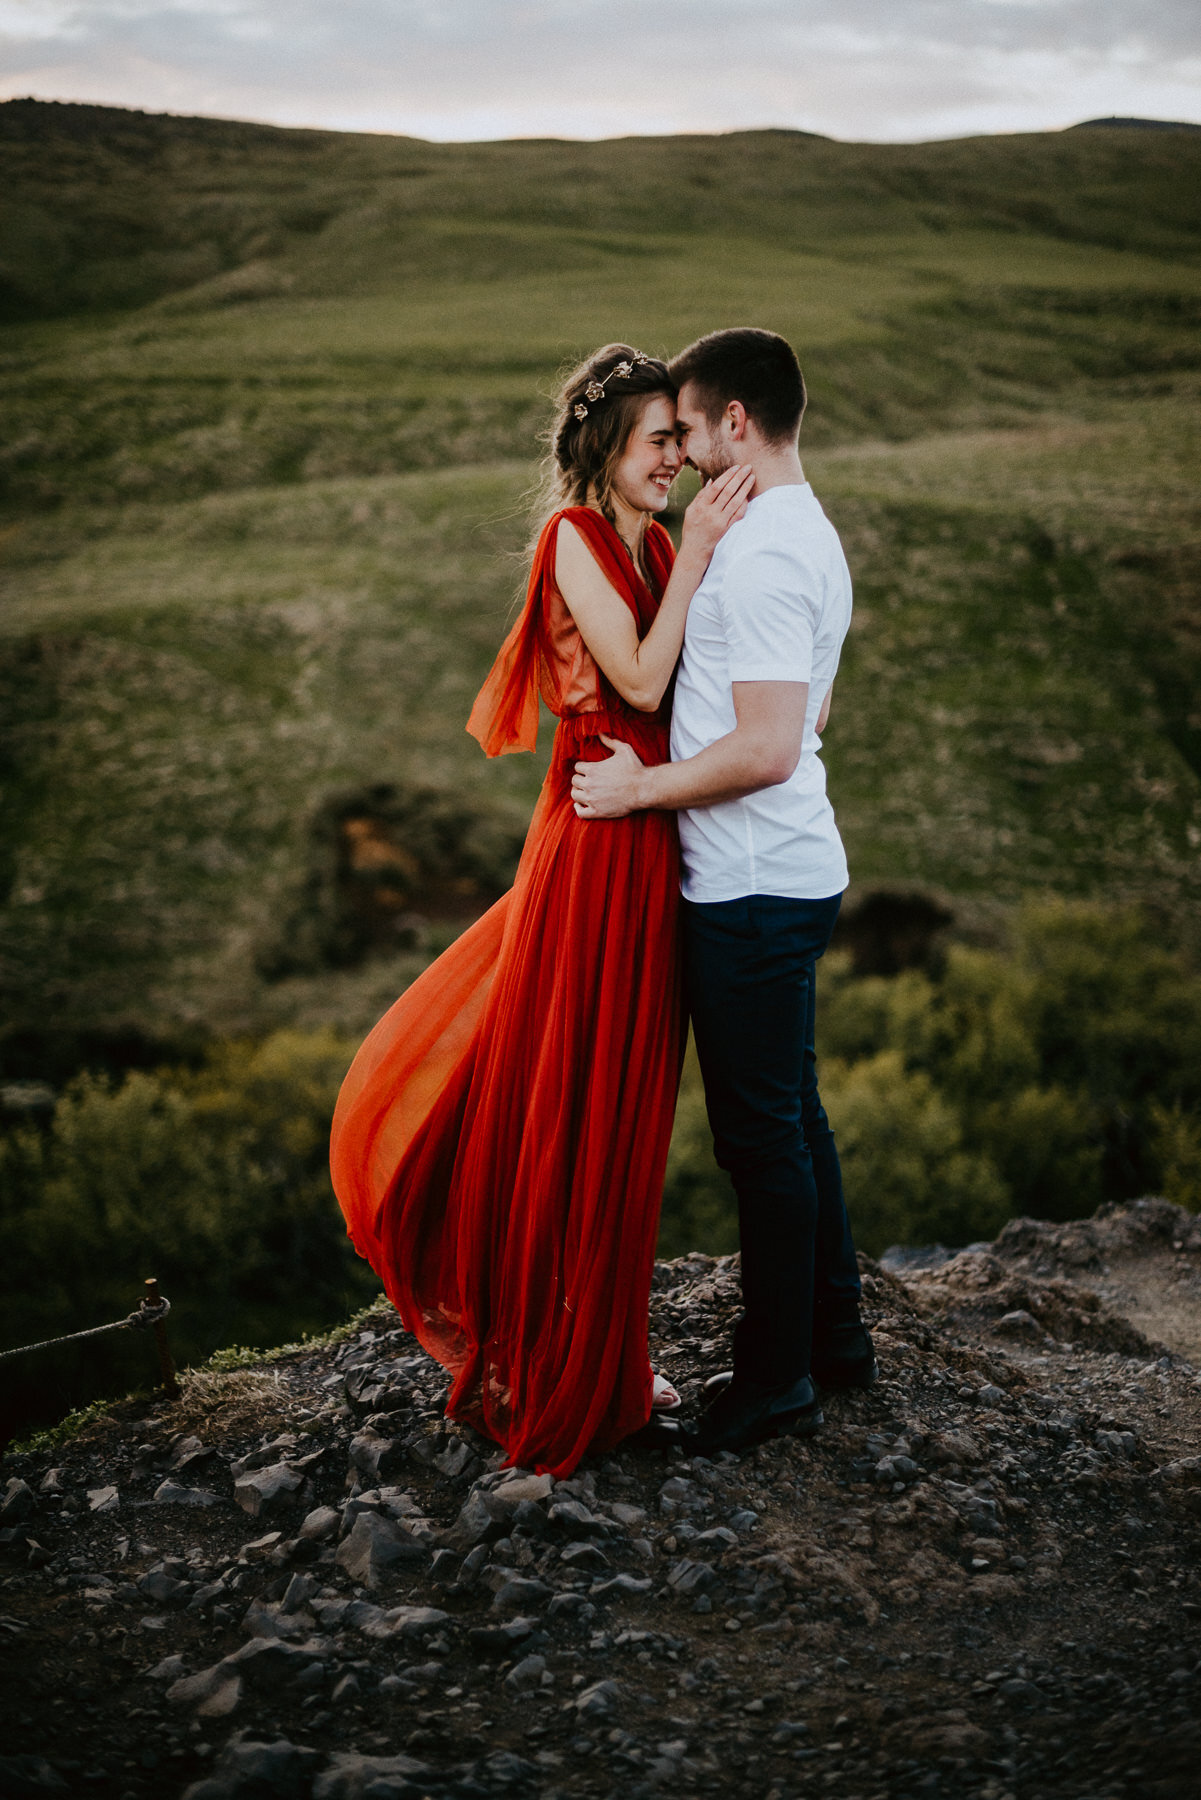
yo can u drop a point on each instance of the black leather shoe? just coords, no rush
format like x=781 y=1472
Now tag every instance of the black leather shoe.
x=745 y=1413
x=657 y=1434
x=843 y=1357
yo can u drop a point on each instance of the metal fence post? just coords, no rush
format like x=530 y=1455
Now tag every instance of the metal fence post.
x=166 y=1366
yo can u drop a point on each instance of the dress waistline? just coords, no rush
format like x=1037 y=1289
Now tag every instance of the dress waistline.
x=646 y=733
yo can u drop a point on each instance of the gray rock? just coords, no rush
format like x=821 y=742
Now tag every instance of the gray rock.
x=455 y=1459
x=515 y=1488
x=445 y=1568
x=621 y=1587
x=505 y=1769
x=371 y=1454
x=265 y=1619
x=260 y=1547
x=250 y=1770
x=688 y=1577
x=482 y=1519
x=598 y=1701
x=530 y=1519
x=156 y=1584
x=22 y=1776
x=719 y=1538
x=187 y=1453
x=18 y=1502
x=349 y=1776
x=584 y=1557
x=269 y=1663
x=520 y=1594
x=1019 y=1324
x=525 y=1677
x=743 y=1521
x=211 y=1693
x=170 y=1669
x=571 y=1607
x=571 y=1519
x=174 y=1493
x=500 y=1640
x=347 y=1689
x=409 y=1622
x=395 y=1687
x=259 y=1489
x=375 y=1544
x=298 y=1593
x=101 y=1499
x=320 y=1524
x=628 y=1516
x=890 y=1469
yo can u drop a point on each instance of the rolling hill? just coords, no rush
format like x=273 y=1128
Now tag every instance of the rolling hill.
x=271 y=402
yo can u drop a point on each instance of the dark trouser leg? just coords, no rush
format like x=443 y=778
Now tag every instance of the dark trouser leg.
x=836 y=1285
x=750 y=973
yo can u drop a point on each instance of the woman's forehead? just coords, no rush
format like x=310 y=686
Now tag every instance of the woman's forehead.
x=659 y=414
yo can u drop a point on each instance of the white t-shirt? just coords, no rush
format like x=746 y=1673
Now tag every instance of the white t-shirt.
x=774 y=605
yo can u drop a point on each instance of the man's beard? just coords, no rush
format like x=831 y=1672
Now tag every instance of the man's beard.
x=716 y=463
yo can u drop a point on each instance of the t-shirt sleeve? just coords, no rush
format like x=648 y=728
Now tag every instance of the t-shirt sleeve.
x=771 y=604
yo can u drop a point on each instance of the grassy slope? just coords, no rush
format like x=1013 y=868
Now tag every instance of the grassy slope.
x=263 y=479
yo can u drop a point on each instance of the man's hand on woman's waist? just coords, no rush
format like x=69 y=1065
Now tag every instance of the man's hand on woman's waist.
x=763 y=750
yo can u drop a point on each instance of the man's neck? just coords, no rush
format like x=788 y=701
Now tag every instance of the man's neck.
x=777 y=468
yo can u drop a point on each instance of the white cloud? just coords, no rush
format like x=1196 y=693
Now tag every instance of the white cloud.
x=882 y=69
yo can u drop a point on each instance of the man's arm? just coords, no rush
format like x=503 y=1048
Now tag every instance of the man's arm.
x=763 y=749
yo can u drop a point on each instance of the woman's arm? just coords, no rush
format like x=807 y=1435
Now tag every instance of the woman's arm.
x=641 y=669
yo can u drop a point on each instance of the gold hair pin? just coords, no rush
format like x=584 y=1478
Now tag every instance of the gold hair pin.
x=596 y=389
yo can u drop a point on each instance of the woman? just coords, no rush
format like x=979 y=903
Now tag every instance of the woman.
x=500 y=1141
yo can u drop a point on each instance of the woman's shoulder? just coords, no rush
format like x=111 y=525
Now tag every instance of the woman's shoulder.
x=586 y=520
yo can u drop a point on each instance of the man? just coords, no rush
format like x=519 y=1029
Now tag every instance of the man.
x=763 y=876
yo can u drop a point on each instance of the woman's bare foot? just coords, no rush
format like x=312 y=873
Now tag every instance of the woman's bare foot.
x=664 y=1398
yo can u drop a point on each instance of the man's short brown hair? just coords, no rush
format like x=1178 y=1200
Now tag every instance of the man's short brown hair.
x=754 y=367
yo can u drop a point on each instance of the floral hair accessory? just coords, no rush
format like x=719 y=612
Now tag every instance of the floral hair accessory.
x=596 y=389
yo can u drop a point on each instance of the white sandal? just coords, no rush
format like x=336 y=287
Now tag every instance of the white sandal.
x=664 y=1398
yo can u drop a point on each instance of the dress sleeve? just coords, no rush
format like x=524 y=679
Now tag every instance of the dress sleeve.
x=505 y=714
x=771 y=601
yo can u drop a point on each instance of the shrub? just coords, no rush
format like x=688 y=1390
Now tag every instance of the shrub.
x=215 y=1180
x=908 y=1176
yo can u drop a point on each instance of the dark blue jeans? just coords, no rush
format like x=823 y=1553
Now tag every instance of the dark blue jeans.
x=750 y=967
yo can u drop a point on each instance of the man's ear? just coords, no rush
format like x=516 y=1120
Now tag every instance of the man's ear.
x=737 y=420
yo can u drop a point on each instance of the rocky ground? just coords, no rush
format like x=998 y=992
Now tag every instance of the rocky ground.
x=981 y=1579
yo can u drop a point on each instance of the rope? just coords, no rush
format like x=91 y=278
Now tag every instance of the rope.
x=142 y=1320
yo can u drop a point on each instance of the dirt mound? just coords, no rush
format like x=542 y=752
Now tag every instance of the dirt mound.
x=977 y=1289
x=980 y=1579
x=1136 y=1228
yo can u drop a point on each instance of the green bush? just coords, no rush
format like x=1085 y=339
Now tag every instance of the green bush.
x=215 y=1180
x=1044 y=1078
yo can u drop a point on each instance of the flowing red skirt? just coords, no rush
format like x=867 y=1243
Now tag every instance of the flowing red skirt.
x=500 y=1142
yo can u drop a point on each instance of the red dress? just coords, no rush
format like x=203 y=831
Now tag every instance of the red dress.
x=500 y=1141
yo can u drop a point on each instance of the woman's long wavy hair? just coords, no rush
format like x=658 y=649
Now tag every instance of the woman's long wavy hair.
x=585 y=452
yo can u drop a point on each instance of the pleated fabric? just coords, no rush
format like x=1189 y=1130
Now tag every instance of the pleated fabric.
x=500 y=1141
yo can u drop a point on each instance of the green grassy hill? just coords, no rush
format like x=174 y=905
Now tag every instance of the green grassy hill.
x=270 y=404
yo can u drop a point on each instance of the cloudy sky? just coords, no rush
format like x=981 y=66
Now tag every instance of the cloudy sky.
x=458 y=69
